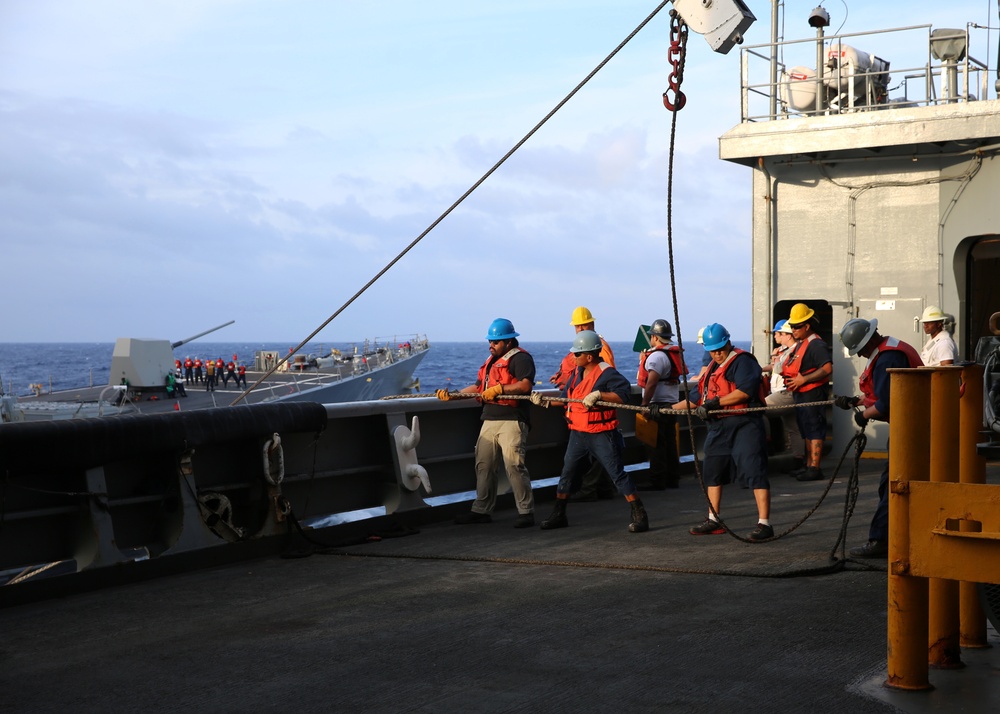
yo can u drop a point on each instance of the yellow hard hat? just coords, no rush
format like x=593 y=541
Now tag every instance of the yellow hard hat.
x=581 y=316
x=800 y=313
x=932 y=314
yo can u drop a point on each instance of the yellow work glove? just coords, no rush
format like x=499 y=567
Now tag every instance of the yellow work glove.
x=591 y=399
x=538 y=400
x=442 y=394
x=492 y=393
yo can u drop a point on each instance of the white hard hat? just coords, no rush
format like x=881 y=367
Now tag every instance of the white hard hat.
x=932 y=313
x=701 y=336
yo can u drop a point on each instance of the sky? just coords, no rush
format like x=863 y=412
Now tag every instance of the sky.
x=166 y=167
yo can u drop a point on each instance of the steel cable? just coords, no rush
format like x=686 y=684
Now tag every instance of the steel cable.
x=461 y=198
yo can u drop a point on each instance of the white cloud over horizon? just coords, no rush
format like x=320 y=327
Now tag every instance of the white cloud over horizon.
x=166 y=167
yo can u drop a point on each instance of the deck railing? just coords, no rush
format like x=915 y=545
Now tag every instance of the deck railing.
x=879 y=70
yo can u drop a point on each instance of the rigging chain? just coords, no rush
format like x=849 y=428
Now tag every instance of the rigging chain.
x=676 y=55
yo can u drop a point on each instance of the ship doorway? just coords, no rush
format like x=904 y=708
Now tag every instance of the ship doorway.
x=982 y=292
x=824 y=313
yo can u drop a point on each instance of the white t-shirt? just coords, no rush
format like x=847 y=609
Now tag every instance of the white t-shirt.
x=939 y=348
x=778 y=381
x=658 y=362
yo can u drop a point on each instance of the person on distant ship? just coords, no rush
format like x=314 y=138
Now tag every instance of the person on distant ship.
x=209 y=376
x=781 y=397
x=241 y=376
x=220 y=366
x=661 y=368
x=861 y=337
x=736 y=444
x=197 y=370
x=596 y=483
x=940 y=349
x=188 y=369
x=230 y=373
x=504 y=432
x=593 y=430
x=807 y=373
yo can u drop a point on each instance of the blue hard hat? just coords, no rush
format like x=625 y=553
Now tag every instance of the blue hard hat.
x=778 y=325
x=715 y=337
x=501 y=329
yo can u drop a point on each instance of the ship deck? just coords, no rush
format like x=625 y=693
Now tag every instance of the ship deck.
x=491 y=619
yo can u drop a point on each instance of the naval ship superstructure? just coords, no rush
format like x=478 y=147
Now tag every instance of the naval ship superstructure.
x=875 y=186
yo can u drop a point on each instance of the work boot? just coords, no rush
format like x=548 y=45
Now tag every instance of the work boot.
x=811 y=473
x=871 y=549
x=640 y=522
x=558 y=517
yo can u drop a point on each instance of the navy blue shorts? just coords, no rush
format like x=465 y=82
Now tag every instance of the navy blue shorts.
x=811 y=420
x=736 y=451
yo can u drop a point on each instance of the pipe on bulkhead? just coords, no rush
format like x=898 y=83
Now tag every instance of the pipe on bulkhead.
x=769 y=231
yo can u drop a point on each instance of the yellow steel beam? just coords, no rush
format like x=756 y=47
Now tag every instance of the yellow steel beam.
x=939 y=545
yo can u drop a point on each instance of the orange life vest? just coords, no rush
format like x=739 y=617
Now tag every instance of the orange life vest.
x=677 y=366
x=715 y=384
x=577 y=415
x=889 y=344
x=241 y=369
x=499 y=373
x=793 y=365
x=568 y=363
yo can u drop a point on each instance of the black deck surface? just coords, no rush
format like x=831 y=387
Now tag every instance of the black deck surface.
x=487 y=618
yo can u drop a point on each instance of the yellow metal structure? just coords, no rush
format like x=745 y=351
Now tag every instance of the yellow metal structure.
x=971 y=469
x=943 y=650
x=938 y=529
x=909 y=461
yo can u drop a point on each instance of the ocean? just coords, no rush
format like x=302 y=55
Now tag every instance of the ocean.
x=450 y=365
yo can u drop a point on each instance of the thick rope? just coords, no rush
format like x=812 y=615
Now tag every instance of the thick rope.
x=614 y=405
x=455 y=205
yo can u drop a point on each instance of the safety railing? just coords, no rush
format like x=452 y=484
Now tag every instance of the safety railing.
x=931 y=67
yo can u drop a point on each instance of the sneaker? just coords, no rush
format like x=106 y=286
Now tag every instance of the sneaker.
x=761 y=532
x=709 y=527
x=811 y=473
x=525 y=520
x=871 y=549
x=473 y=517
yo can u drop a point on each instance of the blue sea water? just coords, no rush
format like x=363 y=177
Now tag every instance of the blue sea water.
x=451 y=365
